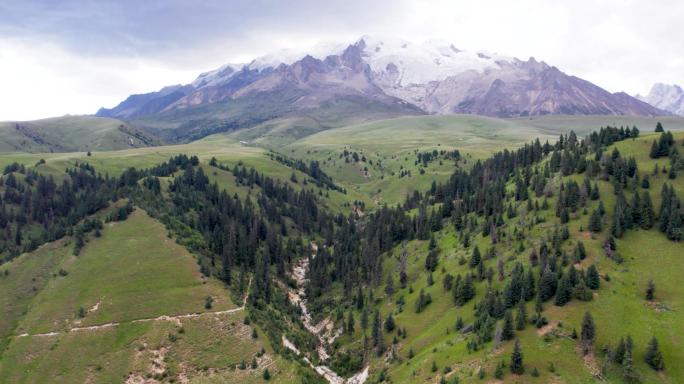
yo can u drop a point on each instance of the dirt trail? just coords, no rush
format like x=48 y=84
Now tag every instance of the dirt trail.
x=174 y=318
x=324 y=330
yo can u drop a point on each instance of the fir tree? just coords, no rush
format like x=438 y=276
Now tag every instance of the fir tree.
x=507 y=330
x=475 y=258
x=564 y=291
x=595 y=223
x=375 y=330
x=389 y=323
x=547 y=284
x=628 y=371
x=516 y=365
x=593 y=279
x=350 y=322
x=650 y=290
x=521 y=316
x=654 y=357
x=588 y=333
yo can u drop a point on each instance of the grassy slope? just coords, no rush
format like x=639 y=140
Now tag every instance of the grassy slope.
x=618 y=308
x=133 y=271
x=69 y=133
x=391 y=145
x=427 y=331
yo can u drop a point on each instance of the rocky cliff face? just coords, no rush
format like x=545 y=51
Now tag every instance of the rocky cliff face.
x=667 y=97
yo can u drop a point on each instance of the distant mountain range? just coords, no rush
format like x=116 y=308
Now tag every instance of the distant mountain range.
x=667 y=97
x=372 y=77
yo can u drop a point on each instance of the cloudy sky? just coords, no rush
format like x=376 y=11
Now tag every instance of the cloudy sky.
x=68 y=56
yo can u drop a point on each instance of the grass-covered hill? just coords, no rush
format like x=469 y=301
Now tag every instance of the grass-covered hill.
x=417 y=249
x=131 y=307
x=442 y=341
x=71 y=134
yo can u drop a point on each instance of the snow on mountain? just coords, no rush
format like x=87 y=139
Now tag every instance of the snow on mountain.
x=406 y=63
x=667 y=97
x=431 y=77
x=421 y=63
x=289 y=56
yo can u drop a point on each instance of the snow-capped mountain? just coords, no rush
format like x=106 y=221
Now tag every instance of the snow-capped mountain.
x=667 y=97
x=392 y=75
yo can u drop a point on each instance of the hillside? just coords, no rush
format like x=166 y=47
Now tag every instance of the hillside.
x=130 y=307
x=71 y=134
x=298 y=239
x=426 y=346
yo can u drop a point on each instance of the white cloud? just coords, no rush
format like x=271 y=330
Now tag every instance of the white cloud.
x=39 y=80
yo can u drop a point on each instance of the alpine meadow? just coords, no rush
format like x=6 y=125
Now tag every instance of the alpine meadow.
x=334 y=209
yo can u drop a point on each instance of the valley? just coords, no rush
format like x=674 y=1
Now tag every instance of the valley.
x=134 y=305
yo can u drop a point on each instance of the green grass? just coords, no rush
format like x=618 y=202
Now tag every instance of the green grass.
x=71 y=133
x=619 y=308
x=161 y=278
x=27 y=276
x=134 y=272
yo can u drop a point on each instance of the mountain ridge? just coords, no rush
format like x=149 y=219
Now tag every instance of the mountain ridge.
x=400 y=76
x=665 y=96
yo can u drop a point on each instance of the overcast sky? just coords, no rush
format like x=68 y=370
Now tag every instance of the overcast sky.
x=72 y=57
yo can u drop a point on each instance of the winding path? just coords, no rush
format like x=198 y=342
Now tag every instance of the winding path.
x=175 y=318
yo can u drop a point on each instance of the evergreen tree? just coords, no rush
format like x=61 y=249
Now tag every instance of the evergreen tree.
x=516 y=365
x=475 y=258
x=595 y=223
x=650 y=290
x=547 y=284
x=376 y=335
x=389 y=287
x=564 y=291
x=389 y=323
x=593 y=279
x=588 y=333
x=364 y=319
x=628 y=371
x=521 y=316
x=350 y=322
x=507 y=330
x=654 y=357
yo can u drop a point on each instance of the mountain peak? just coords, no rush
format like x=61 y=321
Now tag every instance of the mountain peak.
x=432 y=76
x=666 y=96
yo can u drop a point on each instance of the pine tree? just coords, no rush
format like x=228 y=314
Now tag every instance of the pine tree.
x=564 y=291
x=475 y=258
x=547 y=284
x=653 y=356
x=389 y=323
x=595 y=224
x=588 y=332
x=593 y=279
x=350 y=322
x=507 y=330
x=375 y=330
x=521 y=316
x=659 y=128
x=650 y=291
x=389 y=287
x=628 y=371
x=516 y=365
x=364 y=320
x=647 y=214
